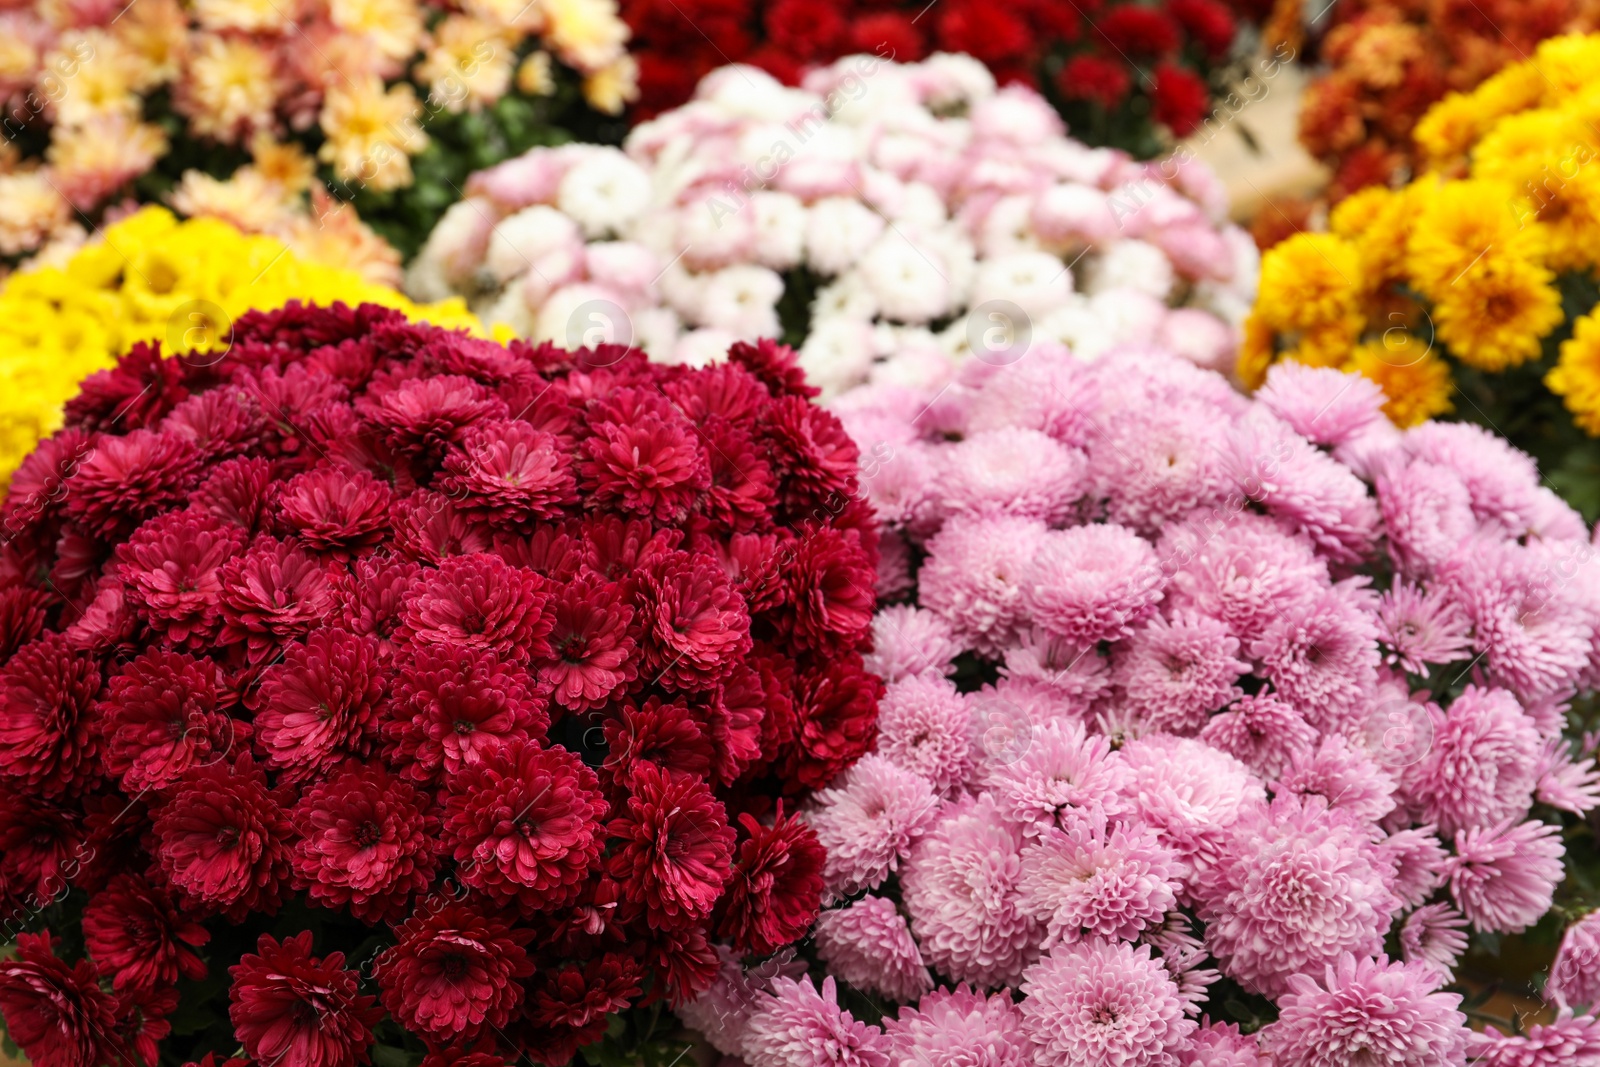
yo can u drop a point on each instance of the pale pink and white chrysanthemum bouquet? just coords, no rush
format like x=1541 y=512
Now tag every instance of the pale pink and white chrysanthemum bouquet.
x=1218 y=730
x=879 y=209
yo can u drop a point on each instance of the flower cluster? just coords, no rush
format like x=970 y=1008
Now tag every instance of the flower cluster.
x=884 y=208
x=151 y=278
x=162 y=99
x=1482 y=267
x=496 y=674
x=1201 y=711
x=1116 y=68
x=1389 y=61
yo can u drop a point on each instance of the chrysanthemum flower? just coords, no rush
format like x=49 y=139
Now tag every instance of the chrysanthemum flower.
x=592 y=648
x=1503 y=877
x=1321 y=656
x=1421 y=627
x=960 y=886
x=49 y=737
x=479 y=601
x=1092 y=583
x=453 y=971
x=320 y=701
x=450 y=704
x=1321 y=404
x=54 y=1011
x=223 y=841
x=1063 y=774
x=673 y=847
x=1433 y=935
x=1569 y=1039
x=139 y=938
x=797 y=1026
x=290 y=1007
x=908 y=640
x=524 y=823
x=776 y=887
x=1102 y=1003
x=1011 y=471
x=923 y=726
x=366 y=842
x=1094 y=879
x=868 y=821
x=974 y=576
x=1189 y=792
x=1575 y=975
x=1343 y=775
x=1296 y=885
x=1173 y=675
x=170 y=570
x=869 y=945
x=1482 y=766
x=1367 y=1011
x=959 y=1024
x=1262 y=732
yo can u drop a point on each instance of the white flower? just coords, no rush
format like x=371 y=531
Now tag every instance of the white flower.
x=837 y=354
x=1037 y=282
x=907 y=282
x=958 y=258
x=846 y=297
x=604 y=193
x=924 y=369
x=713 y=232
x=656 y=331
x=452 y=249
x=1131 y=264
x=1018 y=115
x=742 y=300
x=780 y=229
x=1078 y=327
x=838 y=231
x=625 y=265
x=1008 y=228
x=922 y=207
x=519 y=239
x=683 y=290
x=750 y=92
x=583 y=315
x=1128 y=315
x=953 y=80
x=701 y=348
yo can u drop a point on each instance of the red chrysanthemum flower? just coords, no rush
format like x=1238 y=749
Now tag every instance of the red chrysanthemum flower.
x=223 y=841
x=479 y=601
x=451 y=705
x=367 y=842
x=56 y=1012
x=453 y=971
x=591 y=649
x=1102 y=79
x=335 y=509
x=776 y=889
x=171 y=574
x=524 y=823
x=273 y=593
x=320 y=702
x=997 y=35
x=428 y=526
x=1209 y=22
x=49 y=737
x=569 y=1007
x=831 y=588
x=42 y=844
x=142 y=1022
x=815 y=455
x=838 y=713
x=652 y=468
x=887 y=33
x=240 y=492
x=133 y=395
x=292 y=1009
x=126 y=480
x=675 y=847
x=741 y=493
x=371 y=597
x=162 y=715
x=1135 y=30
x=423 y=416
x=510 y=472
x=138 y=938
x=22 y=617
x=805 y=28
x=219 y=424
x=661 y=735
x=696 y=624
x=1180 y=98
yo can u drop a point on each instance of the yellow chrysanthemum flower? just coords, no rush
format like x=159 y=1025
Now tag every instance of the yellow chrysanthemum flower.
x=1377 y=220
x=1309 y=281
x=1326 y=346
x=1415 y=380
x=1576 y=376
x=1256 y=352
x=1449 y=129
x=152 y=278
x=1521 y=149
x=1496 y=317
x=1466 y=226
x=1565 y=65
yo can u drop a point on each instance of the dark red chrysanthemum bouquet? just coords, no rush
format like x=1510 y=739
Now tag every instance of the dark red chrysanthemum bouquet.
x=372 y=693
x=1117 y=70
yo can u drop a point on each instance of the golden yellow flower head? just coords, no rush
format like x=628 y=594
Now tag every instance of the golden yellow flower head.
x=1464 y=226
x=1576 y=376
x=1415 y=380
x=141 y=280
x=1496 y=317
x=1309 y=281
x=1565 y=66
x=1377 y=221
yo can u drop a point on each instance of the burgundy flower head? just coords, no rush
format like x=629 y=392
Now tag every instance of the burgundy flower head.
x=139 y=938
x=292 y=1008
x=56 y=1012
x=454 y=971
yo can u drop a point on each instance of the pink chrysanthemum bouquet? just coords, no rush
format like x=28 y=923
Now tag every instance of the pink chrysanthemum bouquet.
x=1217 y=731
